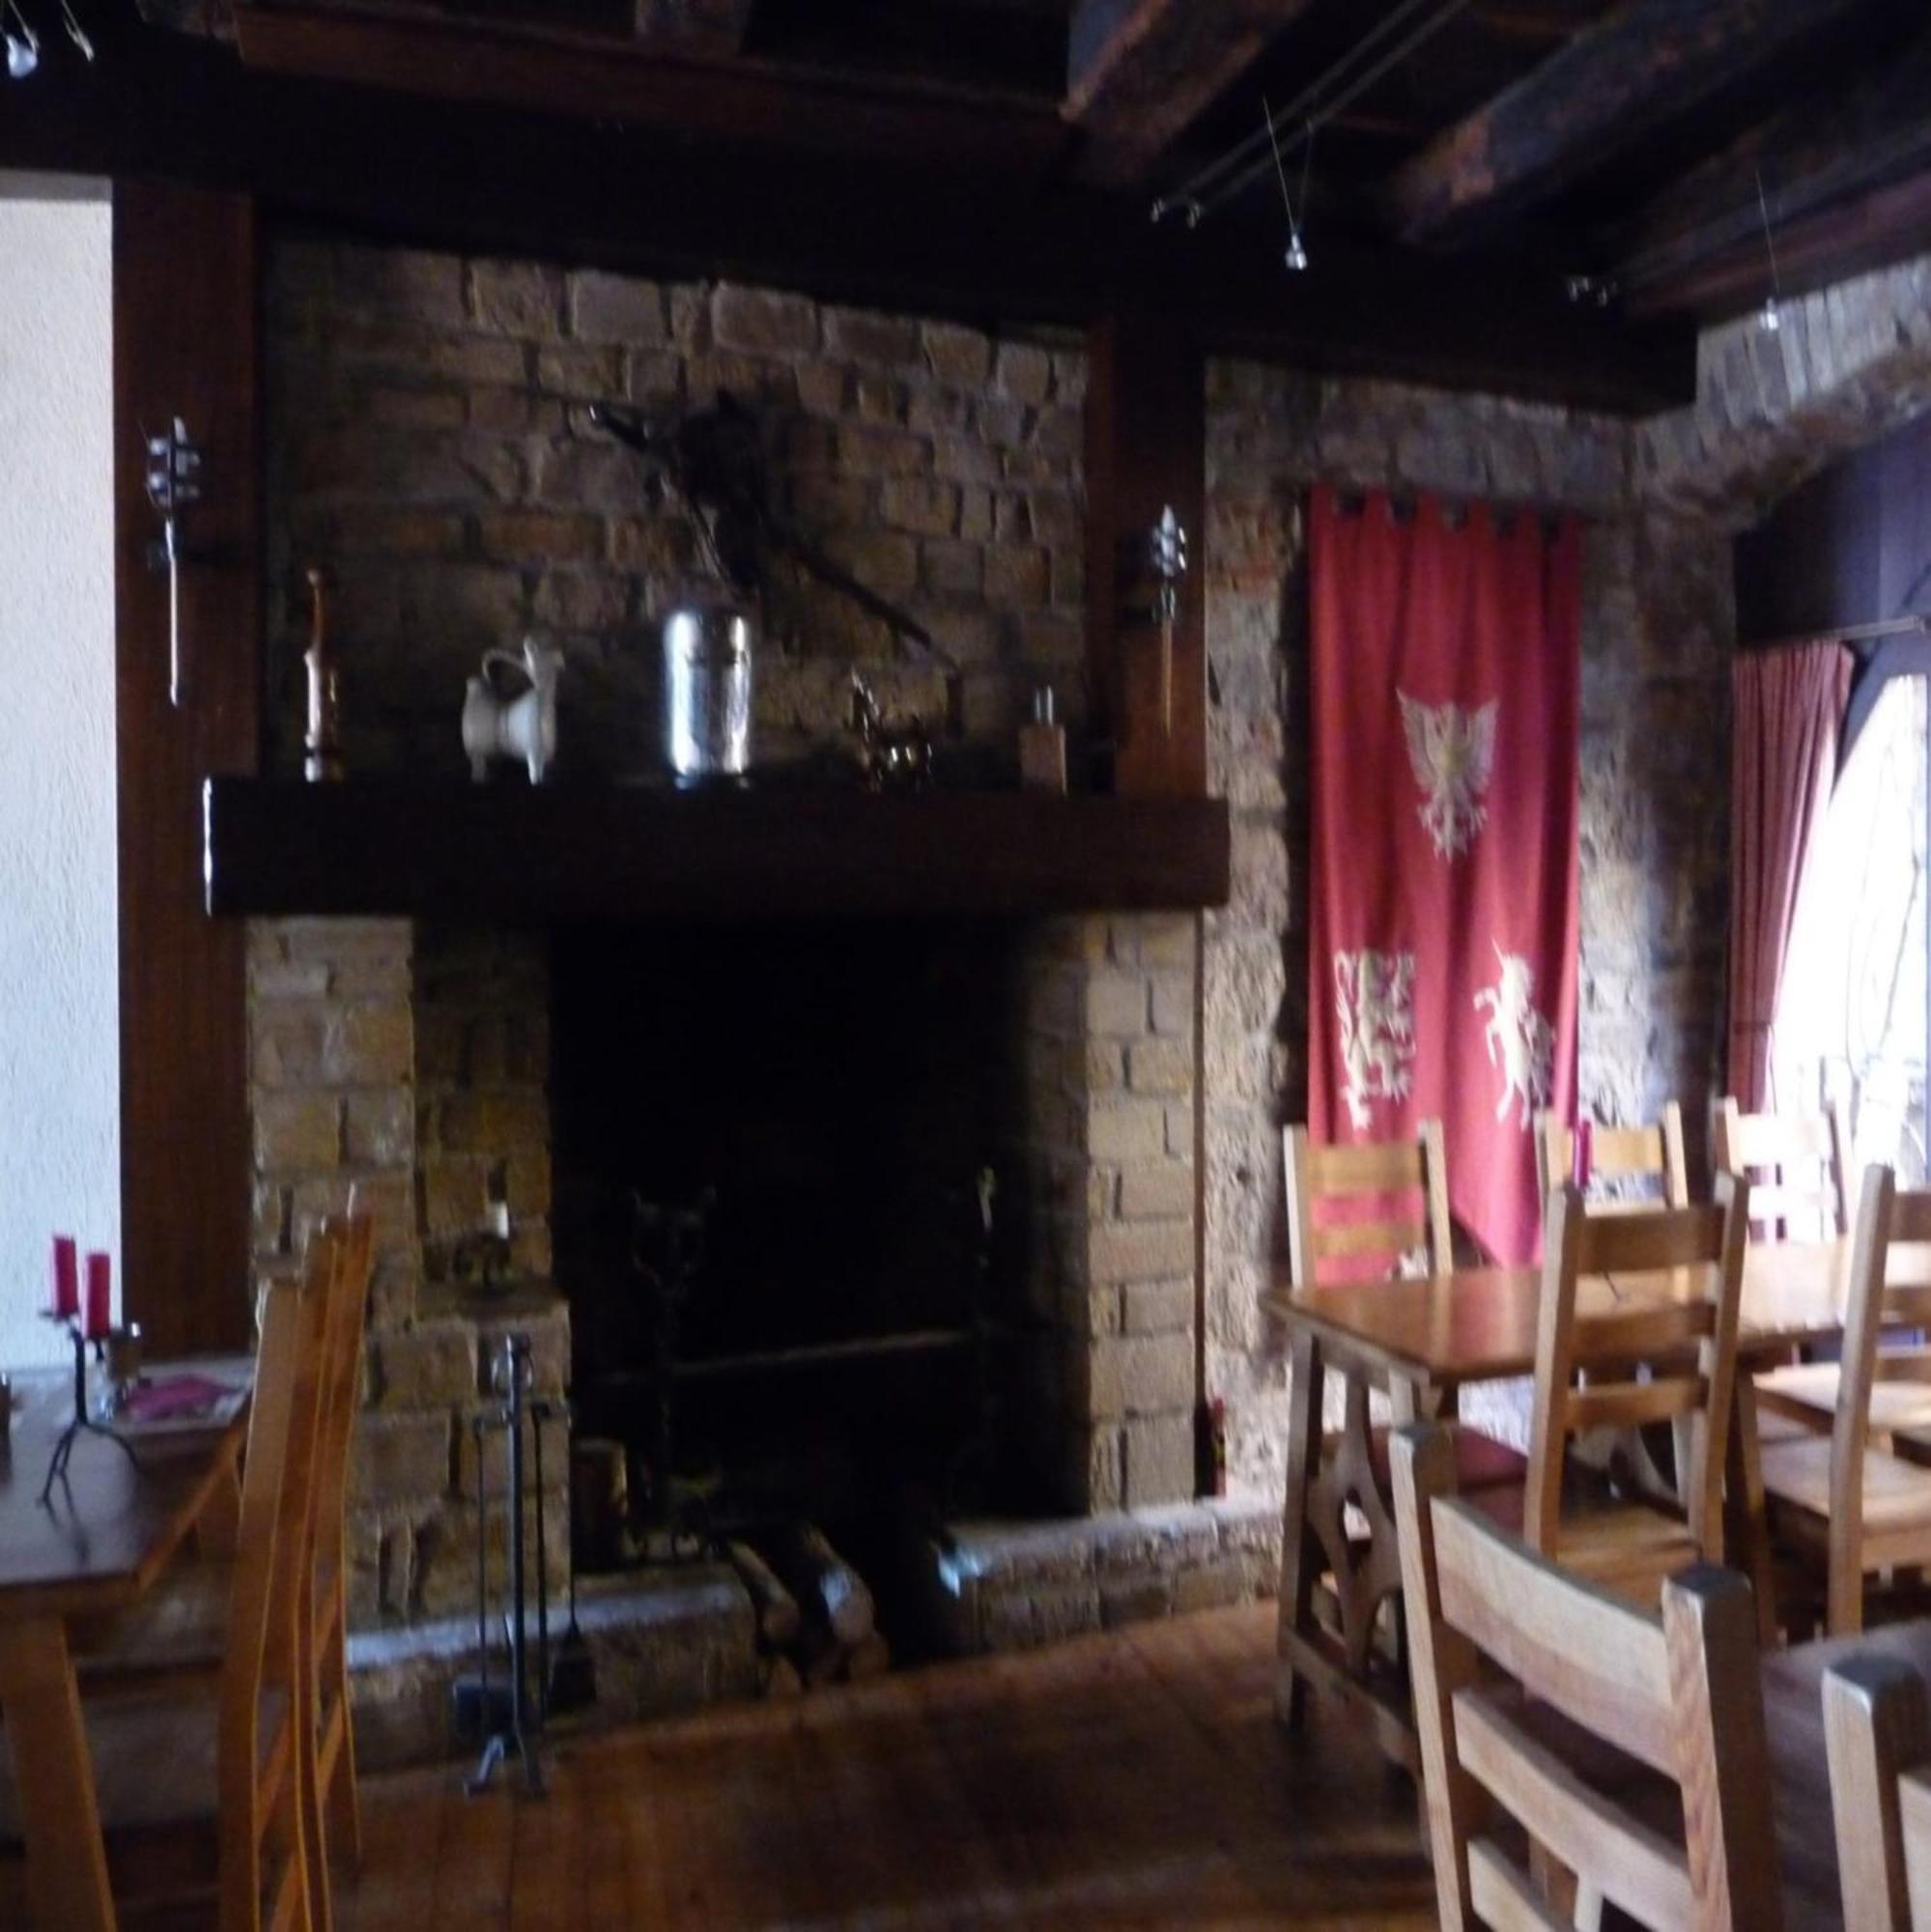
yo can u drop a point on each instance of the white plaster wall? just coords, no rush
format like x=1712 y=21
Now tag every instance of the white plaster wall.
x=60 y=1133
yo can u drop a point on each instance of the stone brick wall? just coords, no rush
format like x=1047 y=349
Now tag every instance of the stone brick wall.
x=429 y=446
x=1109 y=1045
x=358 y=1095
x=1657 y=629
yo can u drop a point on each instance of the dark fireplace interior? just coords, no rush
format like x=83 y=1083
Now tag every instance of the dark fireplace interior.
x=837 y=1092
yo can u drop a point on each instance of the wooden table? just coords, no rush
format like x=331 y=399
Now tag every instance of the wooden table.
x=1423 y=1341
x=94 y=1547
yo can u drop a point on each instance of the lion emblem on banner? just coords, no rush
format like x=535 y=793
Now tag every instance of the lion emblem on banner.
x=1452 y=752
x=1520 y=1042
x=1374 y=1009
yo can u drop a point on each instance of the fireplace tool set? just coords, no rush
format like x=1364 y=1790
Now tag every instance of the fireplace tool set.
x=505 y=1709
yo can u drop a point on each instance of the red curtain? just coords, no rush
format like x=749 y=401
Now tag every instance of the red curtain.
x=1783 y=761
x=1443 y=931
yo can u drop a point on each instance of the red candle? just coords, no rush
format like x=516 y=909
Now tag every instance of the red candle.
x=64 y=1288
x=1585 y=1152
x=99 y=1296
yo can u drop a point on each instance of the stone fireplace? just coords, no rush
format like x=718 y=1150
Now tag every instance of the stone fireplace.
x=429 y=446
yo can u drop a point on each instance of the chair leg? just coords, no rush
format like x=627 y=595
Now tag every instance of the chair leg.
x=341 y=1800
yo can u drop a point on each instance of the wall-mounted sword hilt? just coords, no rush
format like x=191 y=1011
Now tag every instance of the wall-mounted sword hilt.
x=173 y=483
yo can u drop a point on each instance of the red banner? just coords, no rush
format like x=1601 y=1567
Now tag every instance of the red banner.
x=1443 y=771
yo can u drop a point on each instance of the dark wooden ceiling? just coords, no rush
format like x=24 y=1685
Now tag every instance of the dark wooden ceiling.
x=1620 y=139
x=997 y=159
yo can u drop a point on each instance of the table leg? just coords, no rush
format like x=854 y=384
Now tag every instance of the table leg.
x=1747 y=1519
x=1299 y=1567
x=66 y=1862
x=220 y=1523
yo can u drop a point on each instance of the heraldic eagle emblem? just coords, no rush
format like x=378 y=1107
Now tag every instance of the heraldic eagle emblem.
x=1452 y=752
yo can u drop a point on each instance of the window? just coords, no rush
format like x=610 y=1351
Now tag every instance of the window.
x=1851 y=1012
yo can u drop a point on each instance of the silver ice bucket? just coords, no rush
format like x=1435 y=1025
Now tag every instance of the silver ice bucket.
x=707 y=670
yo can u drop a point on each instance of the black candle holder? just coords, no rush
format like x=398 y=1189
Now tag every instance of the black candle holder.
x=82 y=1422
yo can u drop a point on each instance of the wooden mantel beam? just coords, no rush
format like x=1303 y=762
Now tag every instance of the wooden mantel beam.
x=1139 y=72
x=1607 y=90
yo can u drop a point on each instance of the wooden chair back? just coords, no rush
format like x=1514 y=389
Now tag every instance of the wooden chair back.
x=333 y=1820
x=261 y=1761
x=1887 y=1217
x=1407 y=1182
x=344 y=1328
x=1688 y=1341
x=1795 y=1163
x=1878 y=1736
x=1653 y=1152
x=1491 y=1622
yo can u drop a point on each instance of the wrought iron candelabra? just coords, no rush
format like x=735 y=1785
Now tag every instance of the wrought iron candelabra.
x=83 y=1422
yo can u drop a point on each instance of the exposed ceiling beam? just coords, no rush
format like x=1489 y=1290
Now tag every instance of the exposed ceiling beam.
x=713 y=27
x=450 y=176
x=1837 y=182
x=676 y=93
x=1607 y=91
x=1139 y=72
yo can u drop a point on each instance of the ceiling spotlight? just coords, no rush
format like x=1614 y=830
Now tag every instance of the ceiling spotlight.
x=23 y=48
x=75 y=32
x=1296 y=257
x=1768 y=318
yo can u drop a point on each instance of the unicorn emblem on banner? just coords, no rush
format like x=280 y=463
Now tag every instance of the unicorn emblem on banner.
x=1375 y=1008
x=1519 y=1041
x=1452 y=752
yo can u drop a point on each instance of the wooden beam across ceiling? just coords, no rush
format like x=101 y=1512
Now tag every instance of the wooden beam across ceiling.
x=714 y=27
x=926 y=242
x=1846 y=181
x=663 y=85
x=1607 y=90
x=1139 y=72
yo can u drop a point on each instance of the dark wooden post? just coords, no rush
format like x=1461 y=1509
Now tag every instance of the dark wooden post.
x=185 y=345
x=1146 y=444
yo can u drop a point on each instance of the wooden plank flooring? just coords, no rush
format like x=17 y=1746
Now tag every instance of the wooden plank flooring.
x=1136 y=1778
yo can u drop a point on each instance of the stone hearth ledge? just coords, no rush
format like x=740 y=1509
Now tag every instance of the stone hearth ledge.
x=666 y=1642
x=997 y=1586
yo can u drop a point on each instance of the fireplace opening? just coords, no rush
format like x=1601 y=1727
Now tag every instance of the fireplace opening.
x=789 y=1222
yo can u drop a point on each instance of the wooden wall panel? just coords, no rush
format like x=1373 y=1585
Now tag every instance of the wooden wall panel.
x=1146 y=443
x=185 y=343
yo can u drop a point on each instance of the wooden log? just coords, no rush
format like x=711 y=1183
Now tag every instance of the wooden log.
x=829 y=1590
x=871 y=1658
x=779 y=1618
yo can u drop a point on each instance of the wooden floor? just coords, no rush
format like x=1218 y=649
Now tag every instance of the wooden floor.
x=1136 y=1778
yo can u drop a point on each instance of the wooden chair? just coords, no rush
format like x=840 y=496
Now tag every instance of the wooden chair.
x=229 y=1755
x=1794 y=1162
x=1586 y=1378
x=1628 y=1747
x=1840 y=1504
x=1406 y=1230
x=1878 y=1736
x=180 y=1629
x=1653 y=1152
